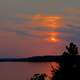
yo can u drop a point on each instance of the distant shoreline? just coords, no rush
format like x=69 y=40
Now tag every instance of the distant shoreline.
x=41 y=59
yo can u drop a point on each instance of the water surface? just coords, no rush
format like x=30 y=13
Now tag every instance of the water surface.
x=23 y=71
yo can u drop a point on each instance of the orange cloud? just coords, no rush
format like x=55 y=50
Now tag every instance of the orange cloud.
x=41 y=21
x=45 y=17
x=47 y=21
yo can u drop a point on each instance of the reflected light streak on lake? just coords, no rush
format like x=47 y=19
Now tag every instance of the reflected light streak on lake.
x=24 y=71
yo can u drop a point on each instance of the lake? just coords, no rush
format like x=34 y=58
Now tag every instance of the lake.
x=24 y=70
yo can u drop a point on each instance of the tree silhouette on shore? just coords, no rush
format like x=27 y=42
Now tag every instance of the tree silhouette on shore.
x=69 y=66
x=69 y=70
x=72 y=49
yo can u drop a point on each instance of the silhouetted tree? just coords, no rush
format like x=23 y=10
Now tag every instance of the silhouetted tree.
x=39 y=76
x=69 y=69
x=72 y=49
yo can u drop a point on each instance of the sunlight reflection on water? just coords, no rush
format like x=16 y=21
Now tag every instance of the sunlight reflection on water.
x=24 y=71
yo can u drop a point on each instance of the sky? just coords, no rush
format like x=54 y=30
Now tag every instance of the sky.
x=38 y=27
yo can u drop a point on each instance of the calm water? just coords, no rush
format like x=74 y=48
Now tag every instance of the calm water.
x=23 y=71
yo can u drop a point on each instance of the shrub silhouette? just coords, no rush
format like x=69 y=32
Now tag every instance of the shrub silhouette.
x=39 y=76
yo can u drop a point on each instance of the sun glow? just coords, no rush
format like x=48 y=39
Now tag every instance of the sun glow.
x=52 y=39
x=48 y=21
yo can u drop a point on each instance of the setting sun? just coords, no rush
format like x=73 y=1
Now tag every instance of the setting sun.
x=52 y=39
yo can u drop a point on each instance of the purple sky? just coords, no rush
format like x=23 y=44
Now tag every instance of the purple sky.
x=38 y=27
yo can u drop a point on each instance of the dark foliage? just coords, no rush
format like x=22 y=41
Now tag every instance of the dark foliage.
x=39 y=76
x=69 y=66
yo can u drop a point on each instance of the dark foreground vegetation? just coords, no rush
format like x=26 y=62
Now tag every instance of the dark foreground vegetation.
x=69 y=66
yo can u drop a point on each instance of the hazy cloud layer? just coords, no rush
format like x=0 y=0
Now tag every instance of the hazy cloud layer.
x=26 y=26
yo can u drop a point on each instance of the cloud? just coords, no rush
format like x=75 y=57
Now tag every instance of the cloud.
x=29 y=27
x=68 y=31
